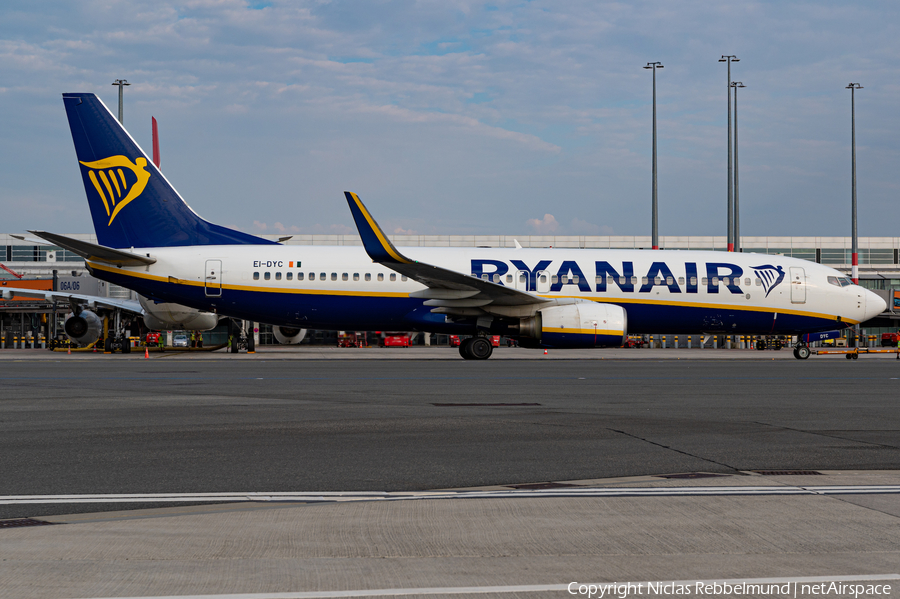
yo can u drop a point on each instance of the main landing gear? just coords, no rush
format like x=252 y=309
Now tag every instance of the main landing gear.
x=801 y=351
x=476 y=348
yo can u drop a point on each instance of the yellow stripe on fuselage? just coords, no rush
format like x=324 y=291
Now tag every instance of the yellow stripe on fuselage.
x=584 y=331
x=767 y=310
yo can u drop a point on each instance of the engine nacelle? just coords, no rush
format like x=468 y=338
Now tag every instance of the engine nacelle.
x=288 y=336
x=578 y=325
x=168 y=316
x=84 y=328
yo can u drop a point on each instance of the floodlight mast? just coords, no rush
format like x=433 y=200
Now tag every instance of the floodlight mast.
x=729 y=58
x=655 y=210
x=121 y=83
x=854 y=243
x=737 y=210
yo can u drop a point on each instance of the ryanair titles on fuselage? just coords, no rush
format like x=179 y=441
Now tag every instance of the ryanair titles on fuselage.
x=570 y=272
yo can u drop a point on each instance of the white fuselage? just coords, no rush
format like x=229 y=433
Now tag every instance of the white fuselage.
x=661 y=291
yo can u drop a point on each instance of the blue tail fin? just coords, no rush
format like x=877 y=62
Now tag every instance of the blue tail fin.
x=131 y=202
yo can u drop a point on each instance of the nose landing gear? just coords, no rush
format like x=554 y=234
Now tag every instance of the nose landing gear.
x=802 y=351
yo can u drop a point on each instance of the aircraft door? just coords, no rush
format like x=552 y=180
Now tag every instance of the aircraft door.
x=213 y=278
x=543 y=281
x=521 y=283
x=798 y=285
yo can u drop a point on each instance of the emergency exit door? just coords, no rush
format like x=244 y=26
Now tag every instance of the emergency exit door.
x=798 y=285
x=213 y=279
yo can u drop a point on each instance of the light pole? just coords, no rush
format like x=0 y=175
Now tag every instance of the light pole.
x=737 y=211
x=121 y=83
x=729 y=59
x=655 y=213
x=854 y=241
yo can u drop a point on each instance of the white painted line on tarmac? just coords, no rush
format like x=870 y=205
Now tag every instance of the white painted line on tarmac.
x=535 y=588
x=401 y=496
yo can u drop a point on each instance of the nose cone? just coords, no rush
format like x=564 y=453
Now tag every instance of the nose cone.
x=874 y=305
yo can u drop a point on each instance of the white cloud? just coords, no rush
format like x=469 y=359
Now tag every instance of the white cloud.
x=543 y=226
x=580 y=226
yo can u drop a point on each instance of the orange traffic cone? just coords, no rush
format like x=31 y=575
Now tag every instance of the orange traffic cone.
x=70 y=351
x=545 y=352
x=146 y=353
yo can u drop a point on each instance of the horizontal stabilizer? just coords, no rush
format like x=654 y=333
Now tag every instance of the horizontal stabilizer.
x=94 y=252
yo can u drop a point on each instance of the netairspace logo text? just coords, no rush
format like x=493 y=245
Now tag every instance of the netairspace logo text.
x=623 y=590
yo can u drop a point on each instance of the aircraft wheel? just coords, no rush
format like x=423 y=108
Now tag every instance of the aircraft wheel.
x=481 y=348
x=464 y=349
x=802 y=352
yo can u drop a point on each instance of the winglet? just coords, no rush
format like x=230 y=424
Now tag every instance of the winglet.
x=376 y=243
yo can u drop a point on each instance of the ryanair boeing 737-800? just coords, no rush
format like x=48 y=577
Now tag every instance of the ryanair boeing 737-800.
x=152 y=242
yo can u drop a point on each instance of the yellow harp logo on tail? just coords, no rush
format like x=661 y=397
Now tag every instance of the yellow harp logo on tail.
x=115 y=188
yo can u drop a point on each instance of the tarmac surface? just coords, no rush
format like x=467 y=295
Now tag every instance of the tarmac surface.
x=534 y=449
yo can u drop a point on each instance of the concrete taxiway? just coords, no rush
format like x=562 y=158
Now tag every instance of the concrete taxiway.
x=321 y=352
x=434 y=476
x=834 y=526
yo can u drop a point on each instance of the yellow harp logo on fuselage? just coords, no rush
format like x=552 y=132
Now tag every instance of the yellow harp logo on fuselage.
x=114 y=187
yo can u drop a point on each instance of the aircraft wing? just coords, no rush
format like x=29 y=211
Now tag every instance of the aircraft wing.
x=450 y=287
x=90 y=301
x=94 y=252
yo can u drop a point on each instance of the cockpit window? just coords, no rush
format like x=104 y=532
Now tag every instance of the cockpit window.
x=840 y=281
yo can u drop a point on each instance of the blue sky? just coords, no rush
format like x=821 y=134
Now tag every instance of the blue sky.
x=463 y=117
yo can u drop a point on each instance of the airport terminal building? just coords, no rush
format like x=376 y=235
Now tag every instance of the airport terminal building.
x=879 y=259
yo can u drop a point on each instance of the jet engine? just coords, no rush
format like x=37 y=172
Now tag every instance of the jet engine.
x=579 y=325
x=83 y=328
x=288 y=336
x=168 y=316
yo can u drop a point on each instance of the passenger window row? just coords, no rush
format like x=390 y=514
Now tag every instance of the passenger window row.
x=322 y=276
x=573 y=280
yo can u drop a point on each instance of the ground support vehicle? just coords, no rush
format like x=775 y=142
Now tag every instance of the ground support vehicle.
x=634 y=342
x=775 y=342
x=853 y=352
x=352 y=340
x=395 y=341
